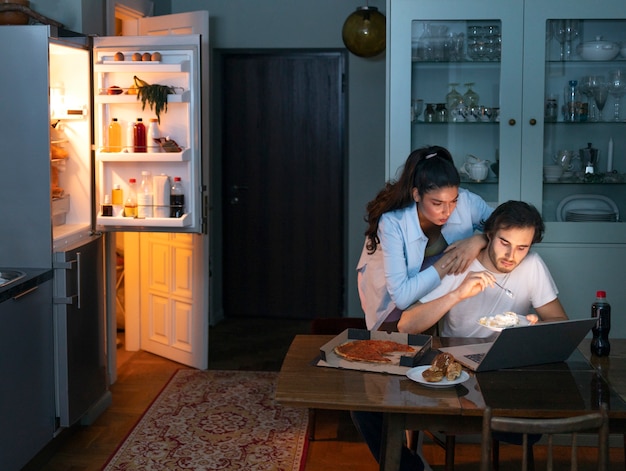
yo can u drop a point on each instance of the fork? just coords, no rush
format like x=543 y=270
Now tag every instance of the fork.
x=508 y=292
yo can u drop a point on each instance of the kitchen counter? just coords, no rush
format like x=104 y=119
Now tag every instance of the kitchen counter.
x=34 y=277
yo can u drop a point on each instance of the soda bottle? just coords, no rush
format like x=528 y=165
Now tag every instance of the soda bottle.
x=130 y=205
x=140 y=136
x=115 y=136
x=177 y=199
x=601 y=310
x=145 y=198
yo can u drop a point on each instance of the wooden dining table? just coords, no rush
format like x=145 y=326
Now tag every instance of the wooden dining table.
x=563 y=389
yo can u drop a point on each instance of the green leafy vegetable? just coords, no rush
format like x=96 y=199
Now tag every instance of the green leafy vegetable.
x=154 y=95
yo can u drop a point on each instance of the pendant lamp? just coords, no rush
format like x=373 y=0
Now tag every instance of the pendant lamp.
x=364 y=32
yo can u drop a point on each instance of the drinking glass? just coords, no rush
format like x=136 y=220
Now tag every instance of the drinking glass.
x=572 y=28
x=470 y=97
x=416 y=109
x=600 y=94
x=587 y=84
x=617 y=88
x=558 y=29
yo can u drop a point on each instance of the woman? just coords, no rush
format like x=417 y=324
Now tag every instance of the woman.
x=422 y=218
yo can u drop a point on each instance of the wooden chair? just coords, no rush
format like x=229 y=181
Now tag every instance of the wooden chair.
x=597 y=421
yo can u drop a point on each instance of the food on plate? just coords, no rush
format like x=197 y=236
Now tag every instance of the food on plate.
x=506 y=319
x=156 y=56
x=136 y=56
x=443 y=365
x=119 y=56
x=372 y=351
x=114 y=90
x=146 y=56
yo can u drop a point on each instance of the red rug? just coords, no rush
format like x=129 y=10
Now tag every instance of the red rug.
x=216 y=420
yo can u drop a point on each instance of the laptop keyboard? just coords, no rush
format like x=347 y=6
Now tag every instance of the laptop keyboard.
x=477 y=357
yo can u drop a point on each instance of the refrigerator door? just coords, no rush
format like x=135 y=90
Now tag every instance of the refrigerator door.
x=80 y=330
x=165 y=84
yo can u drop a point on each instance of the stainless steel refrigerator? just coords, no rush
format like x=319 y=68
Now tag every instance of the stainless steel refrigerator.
x=55 y=107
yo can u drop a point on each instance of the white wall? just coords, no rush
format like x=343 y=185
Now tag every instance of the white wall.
x=245 y=24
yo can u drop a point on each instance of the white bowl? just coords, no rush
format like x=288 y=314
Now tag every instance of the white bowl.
x=598 y=50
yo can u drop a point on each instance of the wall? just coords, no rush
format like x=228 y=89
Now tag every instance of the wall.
x=245 y=24
x=76 y=15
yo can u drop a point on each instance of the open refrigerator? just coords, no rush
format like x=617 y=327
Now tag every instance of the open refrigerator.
x=81 y=74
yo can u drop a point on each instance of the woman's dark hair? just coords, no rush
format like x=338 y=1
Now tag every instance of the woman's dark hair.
x=515 y=214
x=426 y=169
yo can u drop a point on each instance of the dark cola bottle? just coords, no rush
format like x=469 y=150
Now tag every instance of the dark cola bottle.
x=601 y=310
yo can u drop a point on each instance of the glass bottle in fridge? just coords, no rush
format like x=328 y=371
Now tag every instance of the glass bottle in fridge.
x=139 y=136
x=130 y=205
x=145 y=196
x=177 y=199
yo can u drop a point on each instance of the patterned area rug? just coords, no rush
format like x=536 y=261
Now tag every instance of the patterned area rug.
x=216 y=420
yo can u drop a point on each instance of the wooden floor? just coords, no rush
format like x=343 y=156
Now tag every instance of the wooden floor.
x=337 y=445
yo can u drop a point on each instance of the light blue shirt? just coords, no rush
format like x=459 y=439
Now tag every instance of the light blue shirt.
x=390 y=278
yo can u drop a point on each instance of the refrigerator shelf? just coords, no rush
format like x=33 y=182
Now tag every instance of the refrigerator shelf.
x=125 y=66
x=120 y=221
x=184 y=156
x=103 y=97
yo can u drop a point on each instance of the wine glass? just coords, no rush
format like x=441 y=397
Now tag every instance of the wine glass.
x=558 y=29
x=470 y=97
x=572 y=28
x=600 y=93
x=416 y=109
x=617 y=88
x=587 y=84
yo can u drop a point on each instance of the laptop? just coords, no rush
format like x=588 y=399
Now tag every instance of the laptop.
x=537 y=344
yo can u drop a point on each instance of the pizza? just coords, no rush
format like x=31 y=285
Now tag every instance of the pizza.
x=372 y=351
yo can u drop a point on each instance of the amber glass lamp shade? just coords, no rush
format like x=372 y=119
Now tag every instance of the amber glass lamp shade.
x=364 y=32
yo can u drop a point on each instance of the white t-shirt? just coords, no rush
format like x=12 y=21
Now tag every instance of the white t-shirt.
x=530 y=282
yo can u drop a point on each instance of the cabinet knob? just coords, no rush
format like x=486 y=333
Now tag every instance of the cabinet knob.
x=533 y=121
x=511 y=122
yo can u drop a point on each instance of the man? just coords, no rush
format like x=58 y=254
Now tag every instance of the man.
x=461 y=300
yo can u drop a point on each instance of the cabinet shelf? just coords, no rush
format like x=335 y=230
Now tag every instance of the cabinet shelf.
x=457 y=123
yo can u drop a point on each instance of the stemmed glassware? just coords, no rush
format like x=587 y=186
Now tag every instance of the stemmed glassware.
x=470 y=97
x=587 y=86
x=572 y=28
x=558 y=30
x=617 y=88
x=416 y=109
x=600 y=94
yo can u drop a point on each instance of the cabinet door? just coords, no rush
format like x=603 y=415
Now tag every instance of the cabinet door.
x=435 y=44
x=577 y=206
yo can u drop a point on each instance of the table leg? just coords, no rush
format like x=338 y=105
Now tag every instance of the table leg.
x=392 y=443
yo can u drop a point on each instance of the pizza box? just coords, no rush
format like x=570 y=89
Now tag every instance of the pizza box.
x=329 y=358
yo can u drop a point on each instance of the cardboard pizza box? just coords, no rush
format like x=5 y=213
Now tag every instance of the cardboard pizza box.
x=400 y=366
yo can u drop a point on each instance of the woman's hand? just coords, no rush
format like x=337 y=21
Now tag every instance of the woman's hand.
x=462 y=252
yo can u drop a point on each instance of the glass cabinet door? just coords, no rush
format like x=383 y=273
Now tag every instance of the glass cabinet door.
x=455 y=74
x=577 y=78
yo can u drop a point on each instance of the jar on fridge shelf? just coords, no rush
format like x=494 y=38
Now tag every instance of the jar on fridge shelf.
x=115 y=136
x=177 y=199
x=152 y=134
x=145 y=198
x=139 y=136
x=130 y=204
x=107 y=207
x=117 y=199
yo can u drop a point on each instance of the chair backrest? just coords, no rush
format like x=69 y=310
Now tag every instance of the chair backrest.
x=597 y=421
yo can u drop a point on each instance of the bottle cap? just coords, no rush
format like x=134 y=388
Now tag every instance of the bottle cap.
x=600 y=294
x=132 y=180
x=176 y=179
x=117 y=186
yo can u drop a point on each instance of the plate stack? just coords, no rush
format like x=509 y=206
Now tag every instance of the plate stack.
x=593 y=215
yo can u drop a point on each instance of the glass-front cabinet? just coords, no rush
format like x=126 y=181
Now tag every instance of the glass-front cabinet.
x=528 y=97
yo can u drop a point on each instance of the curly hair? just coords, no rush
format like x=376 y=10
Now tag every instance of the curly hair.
x=515 y=214
x=426 y=169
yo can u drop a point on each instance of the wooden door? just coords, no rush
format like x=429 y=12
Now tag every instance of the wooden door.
x=283 y=189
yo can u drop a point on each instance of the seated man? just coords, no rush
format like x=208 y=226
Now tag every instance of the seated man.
x=461 y=300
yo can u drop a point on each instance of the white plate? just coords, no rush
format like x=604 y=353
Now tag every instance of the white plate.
x=415 y=374
x=585 y=202
x=522 y=322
